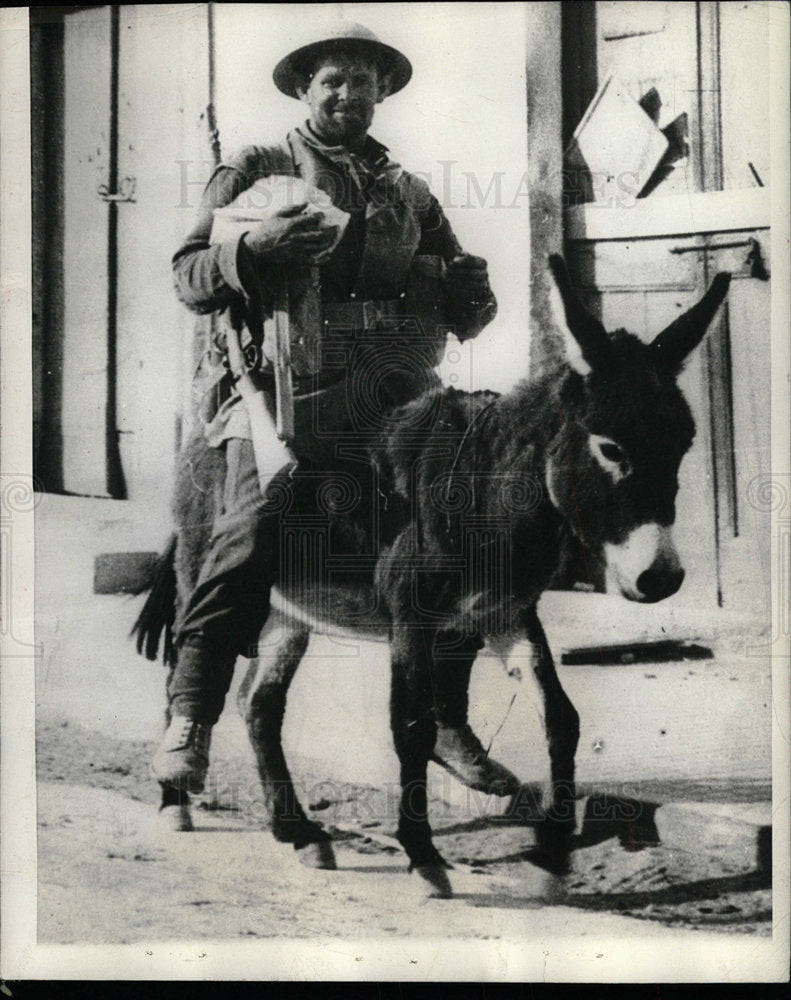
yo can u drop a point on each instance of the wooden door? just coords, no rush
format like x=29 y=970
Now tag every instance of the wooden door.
x=164 y=159
x=121 y=150
x=90 y=455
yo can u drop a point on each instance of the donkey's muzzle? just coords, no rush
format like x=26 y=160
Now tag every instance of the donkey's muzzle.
x=657 y=583
x=645 y=566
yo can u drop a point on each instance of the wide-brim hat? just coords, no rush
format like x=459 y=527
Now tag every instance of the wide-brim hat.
x=346 y=35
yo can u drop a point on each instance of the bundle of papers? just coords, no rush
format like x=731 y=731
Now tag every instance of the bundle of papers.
x=266 y=198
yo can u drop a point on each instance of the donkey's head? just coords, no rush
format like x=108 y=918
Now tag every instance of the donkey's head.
x=613 y=470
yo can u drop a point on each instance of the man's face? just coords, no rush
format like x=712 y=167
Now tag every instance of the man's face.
x=342 y=95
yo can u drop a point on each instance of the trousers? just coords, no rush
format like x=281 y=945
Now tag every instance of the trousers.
x=229 y=604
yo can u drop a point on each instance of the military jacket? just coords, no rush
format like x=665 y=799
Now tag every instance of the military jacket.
x=394 y=220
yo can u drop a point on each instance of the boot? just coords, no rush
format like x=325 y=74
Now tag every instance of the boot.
x=460 y=752
x=182 y=759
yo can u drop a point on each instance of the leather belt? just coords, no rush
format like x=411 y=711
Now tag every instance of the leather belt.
x=362 y=315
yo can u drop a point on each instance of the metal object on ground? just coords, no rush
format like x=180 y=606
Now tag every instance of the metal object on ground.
x=661 y=651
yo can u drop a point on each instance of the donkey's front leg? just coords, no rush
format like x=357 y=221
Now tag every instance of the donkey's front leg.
x=414 y=733
x=262 y=703
x=562 y=726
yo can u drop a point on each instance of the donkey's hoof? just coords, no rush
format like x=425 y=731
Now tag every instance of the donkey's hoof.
x=175 y=819
x=434 y=881
x=318 y=855
x=556 y=830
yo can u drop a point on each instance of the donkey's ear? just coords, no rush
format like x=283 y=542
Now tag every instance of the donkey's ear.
x=586 y=342
x=684 y=334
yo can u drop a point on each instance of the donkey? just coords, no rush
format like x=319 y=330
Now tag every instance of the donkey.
x=450 y=537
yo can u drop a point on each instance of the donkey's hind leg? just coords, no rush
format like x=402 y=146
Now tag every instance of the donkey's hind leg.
x=262 y=703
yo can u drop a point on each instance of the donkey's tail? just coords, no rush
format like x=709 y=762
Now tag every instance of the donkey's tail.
x=159 y=612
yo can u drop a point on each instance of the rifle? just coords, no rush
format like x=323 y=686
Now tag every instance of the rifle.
x=271 y=438
x=284 y=387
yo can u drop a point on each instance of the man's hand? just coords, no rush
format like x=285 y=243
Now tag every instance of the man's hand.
x=291 y=236
x=467 y=279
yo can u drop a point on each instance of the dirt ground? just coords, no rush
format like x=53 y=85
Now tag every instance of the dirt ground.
x=107 y=873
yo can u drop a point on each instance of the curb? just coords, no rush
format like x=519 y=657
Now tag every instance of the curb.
x=739 y=833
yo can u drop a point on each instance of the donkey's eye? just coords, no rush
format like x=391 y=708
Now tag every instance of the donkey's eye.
x=610 y=456
x=612 y=452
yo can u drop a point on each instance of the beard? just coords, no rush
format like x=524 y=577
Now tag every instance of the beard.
x=342 y=123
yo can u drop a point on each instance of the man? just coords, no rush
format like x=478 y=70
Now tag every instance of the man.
x=370 y=277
